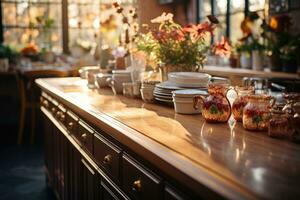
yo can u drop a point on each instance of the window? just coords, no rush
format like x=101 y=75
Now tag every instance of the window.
x=20 y=24
x=230 y=14
x=237 y=15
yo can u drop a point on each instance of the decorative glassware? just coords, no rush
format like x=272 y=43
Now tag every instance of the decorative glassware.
x=292 y=108
x=241 y=101
x=279 y=123
x=295 y=123
x=256 y=114
x=215 y=107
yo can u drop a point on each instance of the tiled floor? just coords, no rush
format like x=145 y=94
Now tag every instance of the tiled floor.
x=22 y=174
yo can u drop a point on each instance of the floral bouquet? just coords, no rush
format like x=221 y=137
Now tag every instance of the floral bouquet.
x=181 y=48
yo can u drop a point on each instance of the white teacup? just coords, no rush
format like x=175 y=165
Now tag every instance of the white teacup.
x=101 y=80
x=118 y=78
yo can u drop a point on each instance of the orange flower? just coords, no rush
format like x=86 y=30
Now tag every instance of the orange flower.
x=163 y=18
x=222 y=48
x=199 y=31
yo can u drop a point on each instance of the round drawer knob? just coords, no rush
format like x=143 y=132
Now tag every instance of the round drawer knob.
x=107 y=159
x=45 y=103
x=62 y=117
x=84 y=136
x=137 y=185
x=70 y=125
x=53 y=110
x=58 y=114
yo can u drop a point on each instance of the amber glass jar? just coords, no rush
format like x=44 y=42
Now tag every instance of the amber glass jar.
x=256 y=114
x=279 y=124
x=215 y=107
x=292 y=108
x=241 y=101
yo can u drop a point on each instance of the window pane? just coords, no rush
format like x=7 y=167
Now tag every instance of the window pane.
x=221 y=29
x=256 y=5
x=235 y=26
x=221 y=7
x=204 y=9
x=237 y=5
x=9 y=14
x=85 y=17
x=21 y=27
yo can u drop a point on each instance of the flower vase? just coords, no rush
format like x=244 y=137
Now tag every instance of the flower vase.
x=49 y=57
x=275 y=63
x=257 y=60
x=120 y=63
x=245 y=60
x=4 y=64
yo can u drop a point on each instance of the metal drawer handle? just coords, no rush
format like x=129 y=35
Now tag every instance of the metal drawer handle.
x=137 y=185
x=107 y=159
x=70 y=125
x=84 y=136
x=62 y=117
x=58 y=114
x=46 y=104
x=53 y=110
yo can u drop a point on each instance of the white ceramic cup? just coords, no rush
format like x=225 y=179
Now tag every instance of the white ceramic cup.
x=101 y=80
x=117 y=80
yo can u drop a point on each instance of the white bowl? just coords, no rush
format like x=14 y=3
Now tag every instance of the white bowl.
x=101 y=80
x=185 y=107
x=189 y=93
x=189 y=79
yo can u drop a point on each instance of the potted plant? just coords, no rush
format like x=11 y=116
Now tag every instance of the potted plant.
x=276 y=33
x=257 y=51
x=289 y=54
x=177 y=48
x=5 y=54
x=45 y=24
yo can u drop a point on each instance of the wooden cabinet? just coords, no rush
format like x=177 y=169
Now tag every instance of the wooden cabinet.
x=82 y=164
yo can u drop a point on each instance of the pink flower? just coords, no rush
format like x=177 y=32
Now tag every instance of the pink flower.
x=222 y=48
x=163 y=18
x=177 y=35
x=199 y=31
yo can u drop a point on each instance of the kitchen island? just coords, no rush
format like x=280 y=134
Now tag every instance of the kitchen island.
x=104 y=146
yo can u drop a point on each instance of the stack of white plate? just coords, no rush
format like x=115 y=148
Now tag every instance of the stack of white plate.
x=189 y=79
x=163 y=92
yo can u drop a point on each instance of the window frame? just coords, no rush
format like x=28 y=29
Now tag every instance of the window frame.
x=227 y=14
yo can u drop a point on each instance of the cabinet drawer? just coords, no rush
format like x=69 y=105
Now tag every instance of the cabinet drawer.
x=173 y=194
x=139 y=182
x=85 y=136
x=71 y=123
x=107 y=155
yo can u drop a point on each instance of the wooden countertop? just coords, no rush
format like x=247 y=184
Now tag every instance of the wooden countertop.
x=225 y=70
x=236 y=75
x=225 y=158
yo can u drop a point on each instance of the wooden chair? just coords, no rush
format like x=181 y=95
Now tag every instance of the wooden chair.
x=29 y=94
